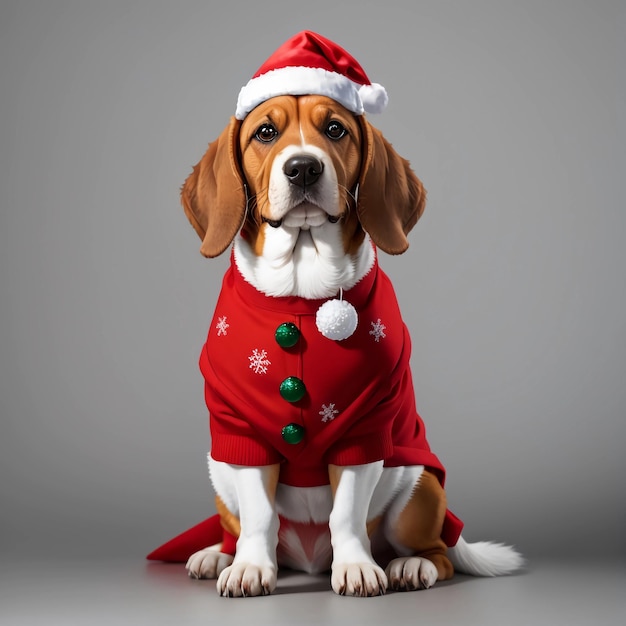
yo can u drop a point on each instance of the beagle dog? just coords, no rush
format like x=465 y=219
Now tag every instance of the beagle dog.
x=319 y=458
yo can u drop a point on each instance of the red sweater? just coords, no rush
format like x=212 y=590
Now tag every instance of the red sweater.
x=359 y=404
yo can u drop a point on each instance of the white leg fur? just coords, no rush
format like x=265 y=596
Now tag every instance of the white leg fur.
x=253 y=570
x=354 y=571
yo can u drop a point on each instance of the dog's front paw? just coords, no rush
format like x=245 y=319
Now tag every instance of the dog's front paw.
x=246 y=579
x=208 y=563
x=358 y=579
x=411 y=573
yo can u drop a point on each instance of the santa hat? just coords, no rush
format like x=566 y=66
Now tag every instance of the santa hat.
x=311 y=64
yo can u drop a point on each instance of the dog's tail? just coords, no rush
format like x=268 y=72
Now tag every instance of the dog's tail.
x=484 y=558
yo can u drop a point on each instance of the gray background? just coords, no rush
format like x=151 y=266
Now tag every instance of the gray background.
x=511 y=113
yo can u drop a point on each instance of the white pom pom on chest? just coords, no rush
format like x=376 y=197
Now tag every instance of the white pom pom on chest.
x=336 y=319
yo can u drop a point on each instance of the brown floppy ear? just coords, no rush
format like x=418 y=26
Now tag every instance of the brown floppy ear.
x=391 y=198
x=213 y=195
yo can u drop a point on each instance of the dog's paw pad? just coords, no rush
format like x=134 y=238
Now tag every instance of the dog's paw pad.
x=411 y=573
x=208 y=563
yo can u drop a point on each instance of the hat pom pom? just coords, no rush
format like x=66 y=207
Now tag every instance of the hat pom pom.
x=336 y=319
x=374 y=98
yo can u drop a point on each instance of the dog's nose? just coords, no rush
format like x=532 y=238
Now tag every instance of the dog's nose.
x=303 y=169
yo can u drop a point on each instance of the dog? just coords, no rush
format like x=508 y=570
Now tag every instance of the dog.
x=319 y=458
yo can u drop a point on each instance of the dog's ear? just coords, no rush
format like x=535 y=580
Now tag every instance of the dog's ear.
x=213 y=195
x=391 y=198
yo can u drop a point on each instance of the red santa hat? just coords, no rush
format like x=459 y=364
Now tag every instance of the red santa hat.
x=311 y=64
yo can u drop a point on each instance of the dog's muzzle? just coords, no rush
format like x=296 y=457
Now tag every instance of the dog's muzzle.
x=303 y=171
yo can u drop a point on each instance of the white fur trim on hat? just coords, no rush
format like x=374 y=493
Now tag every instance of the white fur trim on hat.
x=298 y=81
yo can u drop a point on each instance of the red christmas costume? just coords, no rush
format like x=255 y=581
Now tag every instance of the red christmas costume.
x=358 y=406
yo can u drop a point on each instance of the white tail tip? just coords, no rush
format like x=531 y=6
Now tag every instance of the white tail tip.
x=484 y=558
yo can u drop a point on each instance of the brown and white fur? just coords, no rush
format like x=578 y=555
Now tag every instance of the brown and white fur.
x=303 y=187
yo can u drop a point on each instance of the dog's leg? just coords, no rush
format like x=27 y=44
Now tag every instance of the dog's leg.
x=354 y=571
x=211 y=562
x=416 y=529
x=253 y=571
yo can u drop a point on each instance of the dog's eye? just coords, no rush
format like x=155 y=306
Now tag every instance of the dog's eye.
x=335 y=130
x=266 y=133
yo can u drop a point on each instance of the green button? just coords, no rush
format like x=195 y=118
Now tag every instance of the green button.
x=293 y=433
x=287 y=335
x=292 y=389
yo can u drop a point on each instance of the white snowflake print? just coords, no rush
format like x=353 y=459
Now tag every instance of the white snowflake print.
x=222 y=326
x=378 y=330
x=328 y=412
x=259 y=361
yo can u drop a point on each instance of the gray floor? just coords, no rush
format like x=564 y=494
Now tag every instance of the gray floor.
x=135 y=592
